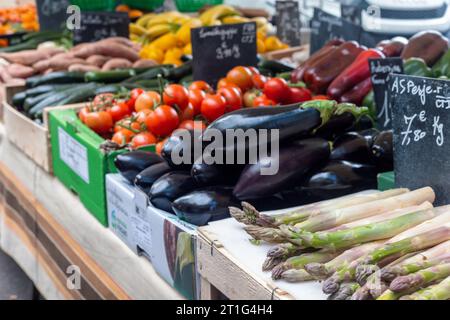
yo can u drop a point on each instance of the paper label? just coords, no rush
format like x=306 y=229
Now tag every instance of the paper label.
x=74 y=154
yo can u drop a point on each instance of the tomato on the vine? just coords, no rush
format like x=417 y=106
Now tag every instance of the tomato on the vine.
x=253 y=70
x=103 y=101
x=241 y=76
x=134 y=94
x=143 y=139
x=147 y=100
x=123 y=137
x=163 y=120
x=99 y=121
x=176 y=95
x=192 y=125
x=196 y=97
x=83 y=112
x=119 y=110
x=200 y=85
x=233 y=98
x=299 y=95
x=263 y=101
x=259 y=81
x=277 y=90
x=188 y=113
x=250 y=96
x=160 y=146
x=223 y=83
x=213 y=106
x=142 y=115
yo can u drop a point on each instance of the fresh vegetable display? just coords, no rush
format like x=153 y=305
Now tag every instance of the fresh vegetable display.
x=18 y=19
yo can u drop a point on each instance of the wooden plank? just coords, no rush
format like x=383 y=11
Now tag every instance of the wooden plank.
x=7 y=91
x=219 y=269
x=285 y=53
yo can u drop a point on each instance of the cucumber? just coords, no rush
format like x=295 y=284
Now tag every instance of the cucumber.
x=18 y=99
x=275 y=66
x=180 y=72
x=61 y=77
x=112 y=88
x=153 y=73
x=37 y=94
x=31 y=101
x=109 y=76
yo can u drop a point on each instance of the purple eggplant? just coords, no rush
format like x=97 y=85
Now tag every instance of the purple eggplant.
x=354 y=146
x=169 y=187
x=145 y=179
x=382 y=150
x=131 y=163
x=336 y=126
x=179 y=142
x=202 y=206
x=215 y=174
x=272 y=174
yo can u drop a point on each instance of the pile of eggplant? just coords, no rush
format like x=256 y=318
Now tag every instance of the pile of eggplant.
x=326 y=150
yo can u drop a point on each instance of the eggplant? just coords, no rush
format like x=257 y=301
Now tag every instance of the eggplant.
x=382 y=150
x=354 y=146
x=292 y=163
x=145 y=179
x=178 y=143
x=216 y=174
x=131 y=163
x=337 y=125
x=203 y=206
x=339 y=178
x=169 y=187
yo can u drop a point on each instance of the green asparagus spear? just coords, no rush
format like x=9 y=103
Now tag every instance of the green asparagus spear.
x=280 y=253
x=440 y=291
x=420 y=278
x=389 y=295
x=294 y=275
x=345 y=291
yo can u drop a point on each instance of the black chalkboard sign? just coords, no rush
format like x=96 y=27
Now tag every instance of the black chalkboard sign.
x=218 y=49
x=52 y=14
x=351 y=13
x=421 y=122
x=288 y=22
x=325 y=26
x=96 y=26
x=381 y=70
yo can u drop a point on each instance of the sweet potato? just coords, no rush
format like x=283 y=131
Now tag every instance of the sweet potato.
x=58 y=62
x=107 y=49
x=83 y=67
x=144 y=63
x=28 y=57
x=124 y=41
x=116 y=63
x=97 y=60
x=20 y=71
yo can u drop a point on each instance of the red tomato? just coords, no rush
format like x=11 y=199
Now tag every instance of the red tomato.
x=188 y=113
x=253 y=70
x=233 y=98
x=213 y=106
x=163 y=120
x=104 y=100
x=122 y=137
x=143 y=139
x=249 y=97
x=99 y=121
x=160 y=146
x=134 y=94
x=200 y=85
x=119 y=111
x=83 y=112
x=277 y=90
x=192 y=125
x=196 y=97
x=259 y=81
x=147 y=100
x=176 y=95
x=223 y=83
x=128 y=124
x=241 y=76
x=320 y=97
x=263 y=101
x=299 y=95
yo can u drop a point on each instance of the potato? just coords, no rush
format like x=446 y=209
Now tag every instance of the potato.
x=116 y=63
x=145 y=63
x=97 y=60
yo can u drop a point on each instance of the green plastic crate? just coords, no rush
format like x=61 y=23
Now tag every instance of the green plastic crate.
x=149 y=5
x=386 y=181
x=95 y=5
x=194 y=5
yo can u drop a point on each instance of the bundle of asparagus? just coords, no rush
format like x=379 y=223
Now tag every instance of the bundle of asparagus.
x=382 y=245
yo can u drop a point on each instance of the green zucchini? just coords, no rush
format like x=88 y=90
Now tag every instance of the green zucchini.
x=18 y=99
x=32 y=92
x=31 y=101
x=275 y=66
x=111 y=88
x=180 y=72
x=109 y=76
x=153 y=73
x=60 y=77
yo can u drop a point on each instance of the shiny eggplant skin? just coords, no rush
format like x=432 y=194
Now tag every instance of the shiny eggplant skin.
x=203 y=206
x=336 y=126
x=215 y=174
x=382 y=150
x=289 y=120
x=177 y=144
x=339 y=178
x=171 y=186
x=131 y=163
x=354 y=146
x=294 y=162
x=145 y=179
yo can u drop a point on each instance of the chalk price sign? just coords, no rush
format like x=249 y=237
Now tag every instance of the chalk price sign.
x=421 y=118
x=288 y=22
x=218 y=49
x=52 y=14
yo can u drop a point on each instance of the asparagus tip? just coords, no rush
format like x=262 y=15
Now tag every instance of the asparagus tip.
x=278 y=271
x=316 y=269
x=250 y=212
x=270 y=263
x=330 y=286
x=388 y=274
x=361 y=294
x=238 y=214
x=364 y=271
x=402 y=283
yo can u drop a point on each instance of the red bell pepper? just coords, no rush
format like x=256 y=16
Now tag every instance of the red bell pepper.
x=358 y=71
x=357 y=94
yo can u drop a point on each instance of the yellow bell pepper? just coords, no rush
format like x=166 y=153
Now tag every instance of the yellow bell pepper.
x=184 y=33
x=165 y=42
x=173 y=54
x=261 y=47
x=153 y=53
x=273 y=43
x=187 y=49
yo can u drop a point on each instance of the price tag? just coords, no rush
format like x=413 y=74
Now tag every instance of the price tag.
x=52 y=14
x=218 y=49
x=421 y=122
x=325 y=26
x=351 y=13
x=288 y=22
x=381 y=70
x=96 y=26
x=73 y=154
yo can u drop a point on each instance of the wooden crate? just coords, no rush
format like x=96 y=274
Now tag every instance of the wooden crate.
x=30 y=137
x=286 y=53
x=222 y=275
x=6 y=93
